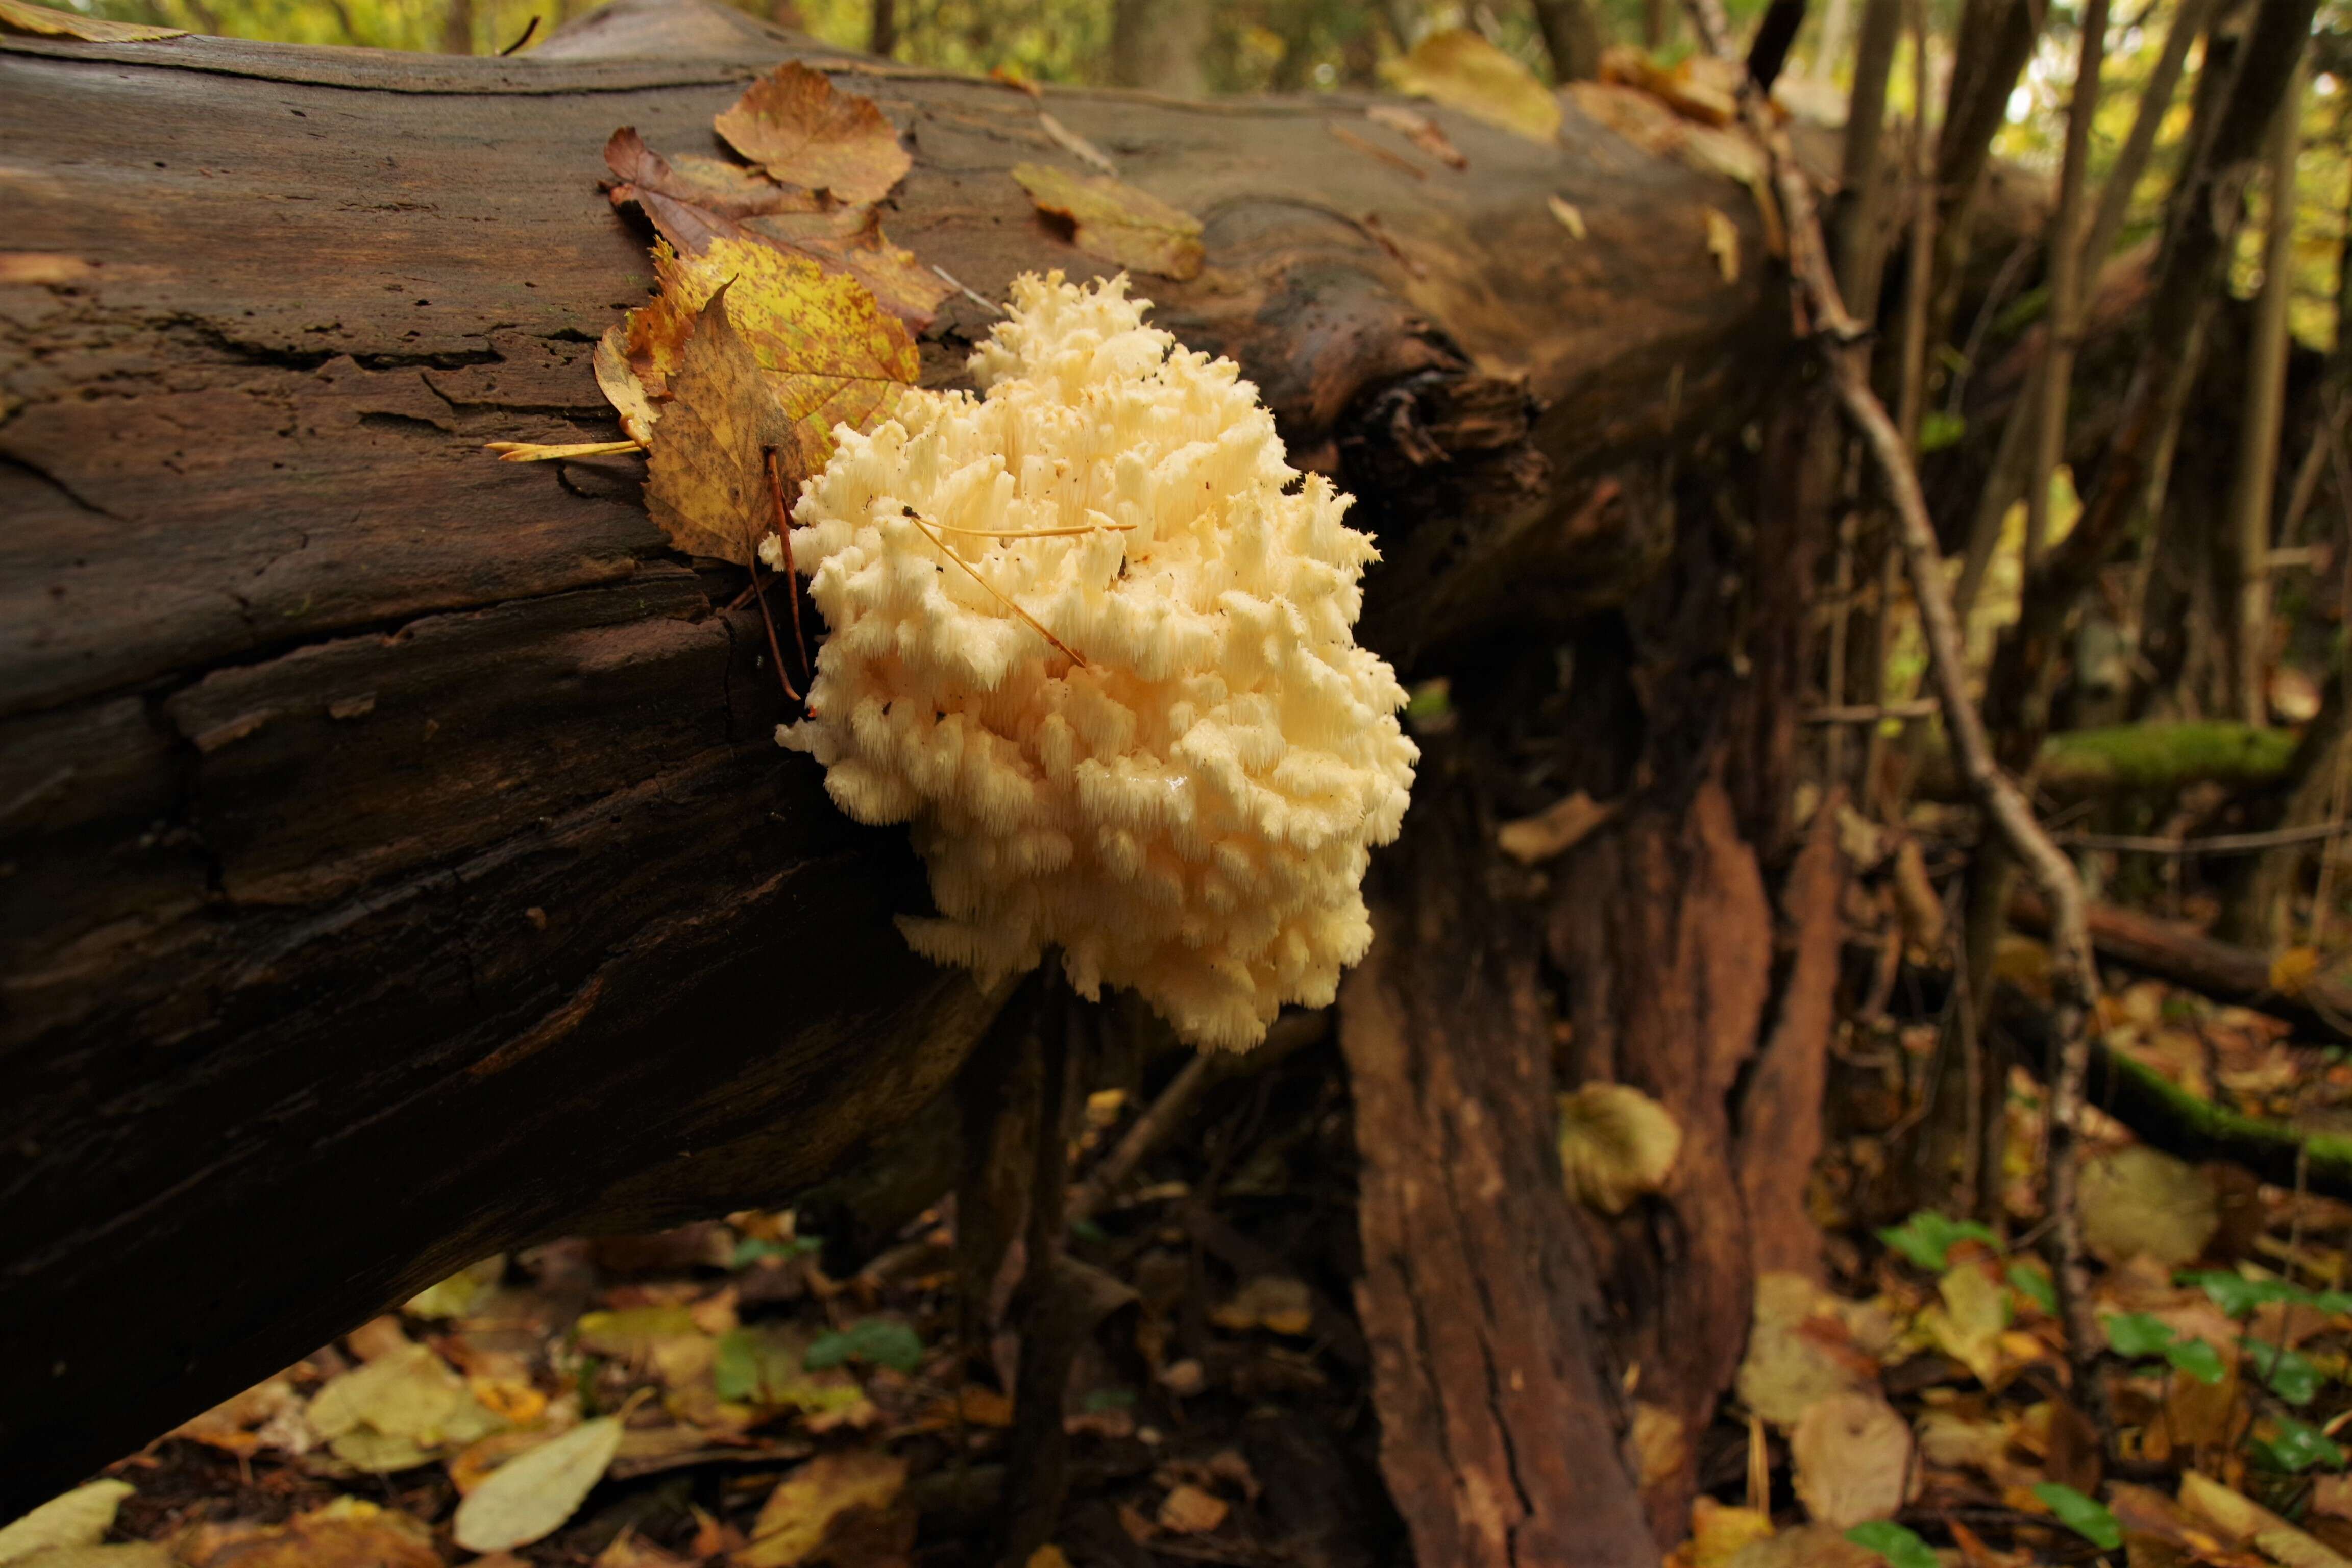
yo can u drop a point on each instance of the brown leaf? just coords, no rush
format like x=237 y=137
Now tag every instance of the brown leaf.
x=1115 y=222
x=1420 y=131
x=837 y=1508
x=705 y=482
x=1852 y=1458
x=697 y=201
x=346 y=1533
x=1188 y=1510
x=41 y=22
x=1554 y=830
x=49 y=268
x=794 y=125
x=1723 y=242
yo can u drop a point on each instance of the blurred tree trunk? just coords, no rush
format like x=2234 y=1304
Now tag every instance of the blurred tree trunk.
x=2242 y=568
x=1571 y=32
x=1157 y=45
x=458 y=27
x=882 y=31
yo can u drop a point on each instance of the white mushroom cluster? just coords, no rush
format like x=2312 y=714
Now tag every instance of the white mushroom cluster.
x=1092 y=638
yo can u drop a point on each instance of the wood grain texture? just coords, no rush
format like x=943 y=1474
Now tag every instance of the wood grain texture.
x=397 y=865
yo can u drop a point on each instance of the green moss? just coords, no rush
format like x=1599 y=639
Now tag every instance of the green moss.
x=2162 y=757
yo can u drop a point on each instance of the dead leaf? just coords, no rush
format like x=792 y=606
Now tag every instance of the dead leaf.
x=50 y=268
x=1967 y=1323
x=1723 y=242
x=530 y=1497
x=1616 y=1144
x=398 y=1411
x=1556 y=829
x=1271 y=1302
x=1698 y=87
x=2243 y=1518
x=628 y=1552
x=558 y=451
x=456 y=1296
x=79 y=1518
x=1420 y=131
x=1719 y=1531
x=794 y=125
x=122 y=1554
x=1649 y=124
x=346 y=1533
x=830 y=353
x=1115 y=222
x=695 y=202
x=1807 y=1546
x=41 y=22
x=2294 y=969
x=1459 y=68
x=1662 y=1443
x=378 y=1338
x=1798 y=1351
x=1569 y=217
x=2137 y=1200
x=1070 y=142
x=1852 y=1458
x=1188 y=1510
x=834 y=1497
x=268 y=1414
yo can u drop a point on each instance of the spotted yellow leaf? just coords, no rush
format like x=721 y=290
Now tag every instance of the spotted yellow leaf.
x=1112 y=219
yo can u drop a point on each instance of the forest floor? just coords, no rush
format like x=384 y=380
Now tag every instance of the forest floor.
x=737 y=1391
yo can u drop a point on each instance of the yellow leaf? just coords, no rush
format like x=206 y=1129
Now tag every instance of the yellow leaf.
x=1569 y=217
x=397 y=1411
x=823 y=1495
x=1798 y=1351
x=1461 y=69
x=1269 y=1301
x=851 y=240
x=831 y=355
x=794 y=125
x=1718 y=1530
x=80 y=1518
x=2138 y=1200
x=2292 y=969
x=1967 y=1324
x=41 y=22
x=530 y=1497
x=1723 y=242
x=706 y=480
x=617 y=380
x=1115 y=222
x=1616 y=1143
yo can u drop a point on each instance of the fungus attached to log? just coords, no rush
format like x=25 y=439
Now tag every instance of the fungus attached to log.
x=1092 y=637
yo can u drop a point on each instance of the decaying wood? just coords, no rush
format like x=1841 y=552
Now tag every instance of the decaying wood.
x=1503 y=1441
x=398 y=868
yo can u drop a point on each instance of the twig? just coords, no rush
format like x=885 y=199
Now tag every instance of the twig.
x=760 y=597
x=930 y=532
x=956 y=283
x=1871 y=713
x=791 y=573
x=2072 y=971
x=2217 y=844
x=529 y=29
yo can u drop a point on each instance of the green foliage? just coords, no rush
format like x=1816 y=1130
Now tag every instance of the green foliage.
x=1939 y=428
x=1900 y=1547
x=2239 y=1296
x=753 y=1249
x=1927 y=1239
x=2140 y=1336
x=2032 y=1282
x=2294 y=1447
x=879 y=1341
x=2084 y=1516
x=2292 y=1376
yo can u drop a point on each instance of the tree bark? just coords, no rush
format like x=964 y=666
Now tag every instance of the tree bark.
x=400 y=869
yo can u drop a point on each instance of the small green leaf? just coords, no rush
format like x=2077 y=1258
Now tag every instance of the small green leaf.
x=753 y=1249
x=2084 y=1516
x=2239 y=1296
x=1927 y=1239
x=2136 y=1334
x=881 y=1341
x=1900 y=1547
x=2198 y=1358
x=2292 y=1376
x=1939 y=428
x=1103 y=1399
x=2032 y=1282
x=2296 y=1447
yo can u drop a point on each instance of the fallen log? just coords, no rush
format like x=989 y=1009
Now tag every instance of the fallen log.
x=2225 y=972
x=396 y=865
